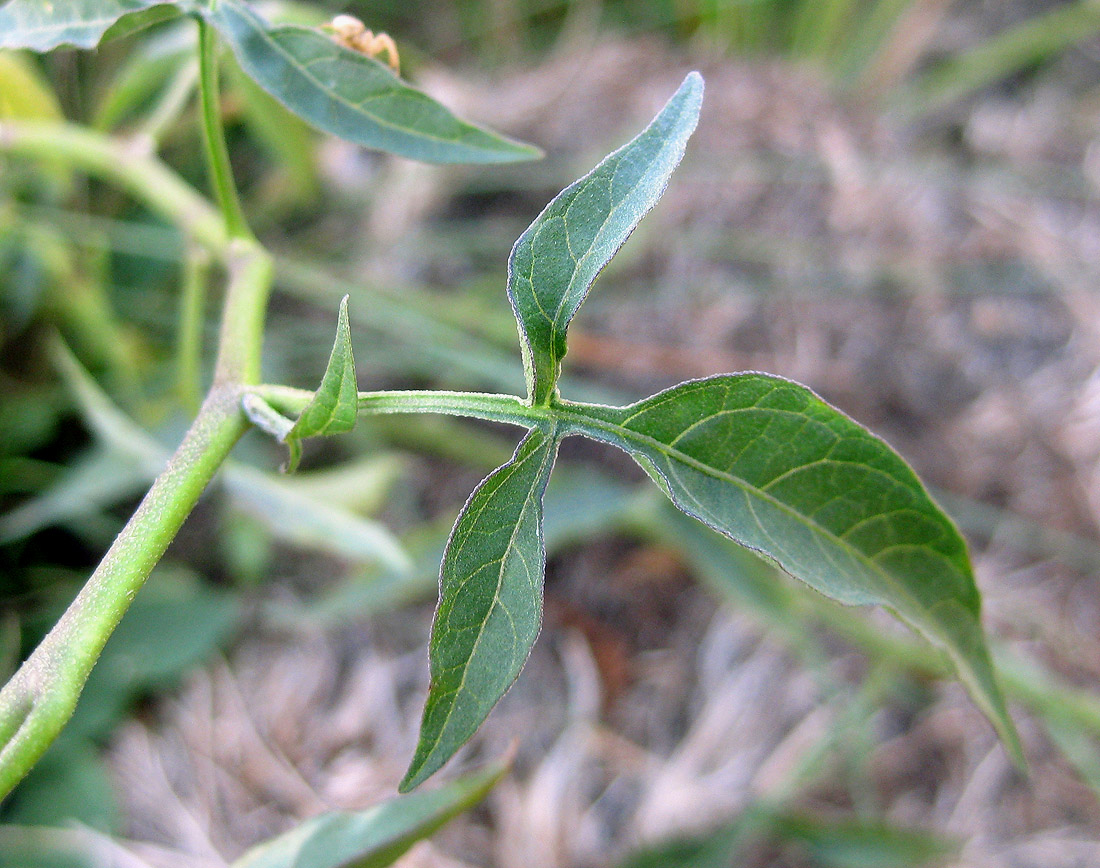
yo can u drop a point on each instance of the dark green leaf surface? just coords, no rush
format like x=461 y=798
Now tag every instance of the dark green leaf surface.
x=352 y=96
x=554 y=262
x=335 y=405
x=374 y=838
x=40 y=26
x=490 y=603
x=771 y=465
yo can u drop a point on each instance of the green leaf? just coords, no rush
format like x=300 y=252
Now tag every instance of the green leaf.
x=555 y=261
x=352 y=96
x=135 y=22
x=373 y=838
x=42 y=26
x=490 y=603
x=769 y=464
x=24 y=92
x=335 y=404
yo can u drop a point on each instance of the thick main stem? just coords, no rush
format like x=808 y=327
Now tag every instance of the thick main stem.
x=41 y=697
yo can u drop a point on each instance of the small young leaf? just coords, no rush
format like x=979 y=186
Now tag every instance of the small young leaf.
x=372 y=838
x=81 y=23
x=353 y=96
x=490 y=603
x=334 y=407
x=771 y=465
x=554 y=262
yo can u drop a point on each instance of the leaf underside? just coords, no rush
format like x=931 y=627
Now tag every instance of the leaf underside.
x=490 y=606
x=352 y=96
x=769 y=464
x=554 y=262
x=43 y=26
x=334 y=407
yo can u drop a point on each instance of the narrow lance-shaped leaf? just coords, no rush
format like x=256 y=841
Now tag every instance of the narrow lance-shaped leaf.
x=42 y=26
x=771 y=465
x=554 y=262
x=490 y=603
x=353 y=96
x=372 y=838
x=334 y=406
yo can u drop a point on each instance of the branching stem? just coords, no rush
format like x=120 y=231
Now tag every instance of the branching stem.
x=40 y=698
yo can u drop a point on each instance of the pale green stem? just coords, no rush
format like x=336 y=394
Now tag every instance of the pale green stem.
x=196 y=274
x=42 y=695
x=40 y=698
x=125 y=165
x=473 y=405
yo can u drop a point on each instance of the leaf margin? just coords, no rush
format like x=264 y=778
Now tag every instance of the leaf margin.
x=682 y=112
x=960 y=637
x=237 y=24
x=432 y=751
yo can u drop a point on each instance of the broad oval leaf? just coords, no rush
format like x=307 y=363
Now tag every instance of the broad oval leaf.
x=43 y=26
x=490 y=603
x=372 y=838
x=352 y=96
x=768 y=463
x=555 y=261
x=334 y=407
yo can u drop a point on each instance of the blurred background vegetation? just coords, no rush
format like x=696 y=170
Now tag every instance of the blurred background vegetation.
x=894 y=201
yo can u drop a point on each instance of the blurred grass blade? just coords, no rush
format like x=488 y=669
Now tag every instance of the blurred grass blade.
x=555 y=261
x=490 y=603
x=827 y=842
x=334 y=407
x=352 y=96
x=297 y=518
x=772 y=466
x=42 y=26
x=373 y=838
x=1005 y=54
x=86 y=487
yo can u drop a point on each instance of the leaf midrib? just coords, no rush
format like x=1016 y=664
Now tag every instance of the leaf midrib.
x=266 y=35
x=548 y=445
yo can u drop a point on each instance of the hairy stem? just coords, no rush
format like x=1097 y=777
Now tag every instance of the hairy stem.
x=42 y=695
x=40 y=698
x=474 y=405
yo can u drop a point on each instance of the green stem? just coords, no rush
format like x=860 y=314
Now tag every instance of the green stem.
x=475 y=405
x=42 y=695
x=40 y=698
x=196 y=273
x=121 y=163
x=217 y=154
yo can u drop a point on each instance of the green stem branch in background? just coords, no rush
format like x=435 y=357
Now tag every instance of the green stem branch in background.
x=125 y=165
x=217 y=154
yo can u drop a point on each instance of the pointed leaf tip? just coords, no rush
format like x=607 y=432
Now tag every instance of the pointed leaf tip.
x=352 y=96
x=772 y=466
x=334 y=407
x=490 y=603
x=555 y=261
